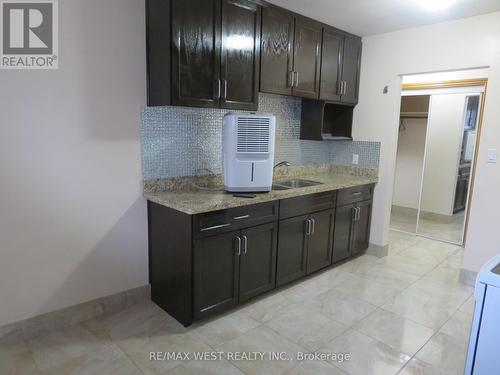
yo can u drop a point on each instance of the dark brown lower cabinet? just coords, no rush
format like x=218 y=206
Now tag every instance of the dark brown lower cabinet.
x=206 y=263
x=361 y=227
x=342 y=235
x=319 y=249
x=292 y=249
x=233 y=267
x=305 y=245
x=258 y=260
x=352 y=230
x=216 y=273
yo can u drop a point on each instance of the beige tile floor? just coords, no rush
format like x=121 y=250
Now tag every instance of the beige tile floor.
x=403 y=314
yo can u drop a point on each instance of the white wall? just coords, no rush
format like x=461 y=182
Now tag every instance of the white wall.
x=409 y=163
x=72 y=222
x=467 y=43
x=442 y=154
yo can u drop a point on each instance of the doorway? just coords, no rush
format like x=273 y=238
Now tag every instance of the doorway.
x=438 y=138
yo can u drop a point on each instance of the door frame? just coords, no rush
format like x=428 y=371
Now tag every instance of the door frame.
x=463 y=83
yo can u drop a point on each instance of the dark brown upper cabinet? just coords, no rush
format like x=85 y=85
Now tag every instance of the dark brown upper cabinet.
x=276 y=51
x=195 y=53
x=331 y=65
x=290 y=54
x=203 y=53
x=340 y=64
x=351 y=62
x=240 y=57
x=306 y=58
x=221 y=53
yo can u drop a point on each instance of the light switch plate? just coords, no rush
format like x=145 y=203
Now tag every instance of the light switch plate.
x=492 y=155
x=355 y=159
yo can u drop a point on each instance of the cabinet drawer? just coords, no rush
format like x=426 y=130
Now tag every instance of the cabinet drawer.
x=306 y=204
x=354 y=194
x=222 y=221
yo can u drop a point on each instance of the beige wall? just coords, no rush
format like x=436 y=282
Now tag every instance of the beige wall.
x=467 y=43
x=72 y=222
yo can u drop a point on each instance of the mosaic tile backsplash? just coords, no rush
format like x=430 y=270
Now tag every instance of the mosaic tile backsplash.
x=181 y=141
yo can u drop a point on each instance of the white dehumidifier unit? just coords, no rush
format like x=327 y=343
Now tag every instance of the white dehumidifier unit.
x=248 y=152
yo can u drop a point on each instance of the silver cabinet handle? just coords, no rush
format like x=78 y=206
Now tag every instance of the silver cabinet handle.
x=241 y=217
x=296 y=79
x=358 y=211
x=345 y=87
x=214 y=227
x=225 y=90
x=238 y=247
x=356 y=193
x=308 y=229
x=218 y=89
x=340 y=86
x=245 y=244
x=313 y=226
x=354 y=213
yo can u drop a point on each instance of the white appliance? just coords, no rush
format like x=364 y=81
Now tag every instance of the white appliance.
x=470 y=144
x=248 y=152
x=483 y=355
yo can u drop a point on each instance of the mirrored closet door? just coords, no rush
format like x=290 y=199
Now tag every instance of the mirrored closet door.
x=434 y=165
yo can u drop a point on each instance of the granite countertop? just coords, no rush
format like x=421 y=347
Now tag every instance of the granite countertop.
x=196 y=201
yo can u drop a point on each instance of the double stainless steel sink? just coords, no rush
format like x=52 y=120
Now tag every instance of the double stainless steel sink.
x=294 y=184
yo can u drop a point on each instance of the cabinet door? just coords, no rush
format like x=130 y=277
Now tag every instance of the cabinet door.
x=240 y=54
x=276 y=51
x=292 y=249
x=344 y=217
x=195 y=52
x=319 y=249
x=361 y=232
x=307 y=58
x=258 y=260
x=350 y=69
x=331 y=65
x=215 y=273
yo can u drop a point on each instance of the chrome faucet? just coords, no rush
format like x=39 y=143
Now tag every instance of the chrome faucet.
x=282 y=164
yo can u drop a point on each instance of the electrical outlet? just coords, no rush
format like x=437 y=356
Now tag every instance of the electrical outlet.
x=492 y=155
x=355 y=159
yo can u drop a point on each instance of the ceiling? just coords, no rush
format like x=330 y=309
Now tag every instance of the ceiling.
x=369 y=17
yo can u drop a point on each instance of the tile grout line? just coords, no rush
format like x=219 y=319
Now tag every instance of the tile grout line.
x=441 y=326
x=32 y=356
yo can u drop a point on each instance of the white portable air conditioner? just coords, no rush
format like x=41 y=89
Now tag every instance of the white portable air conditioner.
x=248 y=152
